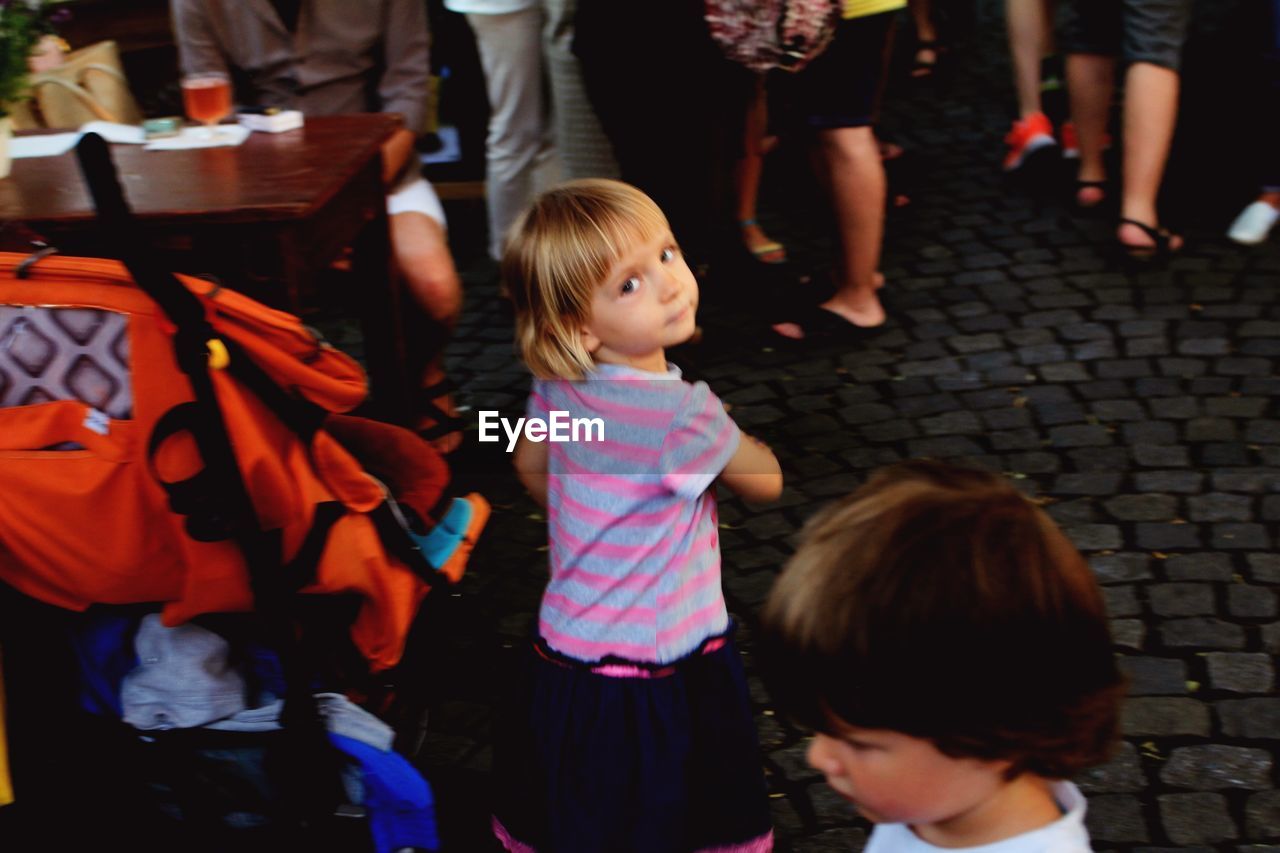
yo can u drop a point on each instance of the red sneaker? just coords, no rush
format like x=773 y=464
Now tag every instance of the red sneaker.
x=1027 y=137
x=1071 y=143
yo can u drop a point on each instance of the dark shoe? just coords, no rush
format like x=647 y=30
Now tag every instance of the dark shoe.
x=819 y=324
x=921 y=67
x=1162 y=242
x=1091 y=200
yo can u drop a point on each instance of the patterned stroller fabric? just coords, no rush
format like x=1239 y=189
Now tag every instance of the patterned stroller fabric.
x=101 y=497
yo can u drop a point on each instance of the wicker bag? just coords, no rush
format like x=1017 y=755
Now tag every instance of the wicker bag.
x=89 y=85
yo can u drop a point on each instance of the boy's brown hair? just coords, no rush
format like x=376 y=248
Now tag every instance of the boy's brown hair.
x=557 y=254
x=939 y=602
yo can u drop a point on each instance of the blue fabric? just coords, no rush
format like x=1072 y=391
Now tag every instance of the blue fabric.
x=103 y=643
x=399 y=802
x=443 y=540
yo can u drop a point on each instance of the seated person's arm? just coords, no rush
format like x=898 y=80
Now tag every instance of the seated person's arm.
x=753 y=472
x=396 y=155
x=531 y=467
x=406 y=81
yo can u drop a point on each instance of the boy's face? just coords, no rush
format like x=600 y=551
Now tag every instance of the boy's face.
x=647 y=303
x=895 y=778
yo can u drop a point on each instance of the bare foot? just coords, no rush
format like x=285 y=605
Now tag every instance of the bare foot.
x=759 y=244
x=1134 y=239
x=925 y=63
x=869 y=315
x=1086 y=195
x=890 y=150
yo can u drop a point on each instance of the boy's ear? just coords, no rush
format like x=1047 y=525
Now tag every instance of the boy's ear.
x=589 y=341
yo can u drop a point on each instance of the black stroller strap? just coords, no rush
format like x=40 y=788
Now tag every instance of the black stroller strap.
x=315 y=787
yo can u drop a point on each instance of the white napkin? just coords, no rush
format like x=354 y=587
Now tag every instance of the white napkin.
x=44 y=145
x=121 y=134
x=224 y=135
x=53 y=144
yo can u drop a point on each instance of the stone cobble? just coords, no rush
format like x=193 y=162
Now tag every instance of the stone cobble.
x=1138 y=405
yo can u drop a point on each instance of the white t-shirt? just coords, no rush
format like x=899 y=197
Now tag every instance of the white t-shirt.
x=488 y=7
x=1065 y=835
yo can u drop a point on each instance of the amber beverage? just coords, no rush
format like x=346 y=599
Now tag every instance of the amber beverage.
x=206 y=98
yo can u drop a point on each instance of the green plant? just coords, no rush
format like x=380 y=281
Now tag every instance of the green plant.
x=22 y=24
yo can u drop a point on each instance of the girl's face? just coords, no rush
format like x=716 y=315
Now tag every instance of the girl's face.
x=647 y=303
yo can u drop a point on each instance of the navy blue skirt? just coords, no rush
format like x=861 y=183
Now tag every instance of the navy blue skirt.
x=609 y=759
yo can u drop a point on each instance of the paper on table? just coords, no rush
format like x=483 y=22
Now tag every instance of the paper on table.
x=127 y=134
x=44 y=145
x=53 y=144
x=195 y=137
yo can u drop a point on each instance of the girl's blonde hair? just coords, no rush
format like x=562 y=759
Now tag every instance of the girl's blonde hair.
x=556 y=255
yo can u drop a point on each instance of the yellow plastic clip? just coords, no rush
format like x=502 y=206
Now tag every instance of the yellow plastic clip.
x=219 y=358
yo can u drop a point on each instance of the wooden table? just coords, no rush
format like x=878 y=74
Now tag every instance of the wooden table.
x=265 y=217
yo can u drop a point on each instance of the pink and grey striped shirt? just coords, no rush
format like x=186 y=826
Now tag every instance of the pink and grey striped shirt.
x=631 y=520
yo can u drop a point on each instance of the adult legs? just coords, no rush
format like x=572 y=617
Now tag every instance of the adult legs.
x=518 y=140
x=849 y=159
x=584 y=150
x=747 y=174
x=858 y=185
x=421 y=253
x=1150 y=112
x=1030 y=37
x=926 y=56
x=1090 y=85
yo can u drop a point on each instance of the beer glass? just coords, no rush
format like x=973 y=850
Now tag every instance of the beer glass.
x=206 y=96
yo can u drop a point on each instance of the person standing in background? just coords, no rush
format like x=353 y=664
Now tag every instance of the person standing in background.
x=518 y=146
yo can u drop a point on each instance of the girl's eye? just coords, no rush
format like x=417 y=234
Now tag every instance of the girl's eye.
x=668 y=255
x=631 y=285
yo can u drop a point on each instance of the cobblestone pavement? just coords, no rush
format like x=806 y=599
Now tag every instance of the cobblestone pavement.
x=1139 y=406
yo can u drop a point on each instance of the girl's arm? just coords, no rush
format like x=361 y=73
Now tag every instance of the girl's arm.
x=531 y=467
x=753 y=472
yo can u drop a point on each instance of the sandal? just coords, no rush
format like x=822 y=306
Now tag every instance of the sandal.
x=919 y=67
x=819 y=324
x=770 y=252
x=1162 y=242
x=1082 y=186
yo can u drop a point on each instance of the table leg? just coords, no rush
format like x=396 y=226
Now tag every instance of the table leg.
x=380 y=298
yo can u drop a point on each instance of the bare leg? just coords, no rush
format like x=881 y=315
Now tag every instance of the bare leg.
x=747 y=179
x=922 y=17
x=1090 y=83
x=857 y=182
x=1030 y=37
x=1150 y=112
x=422 y=257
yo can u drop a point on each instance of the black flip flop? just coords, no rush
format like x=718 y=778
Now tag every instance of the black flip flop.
x=819 y=324
x=1089 y=185
x=922 y=70
x=1161 y=239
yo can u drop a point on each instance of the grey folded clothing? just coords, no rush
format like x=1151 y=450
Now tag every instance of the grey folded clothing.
x=341 y=716
x=184 y=678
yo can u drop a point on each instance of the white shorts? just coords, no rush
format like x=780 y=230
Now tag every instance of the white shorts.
x=414 y=194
